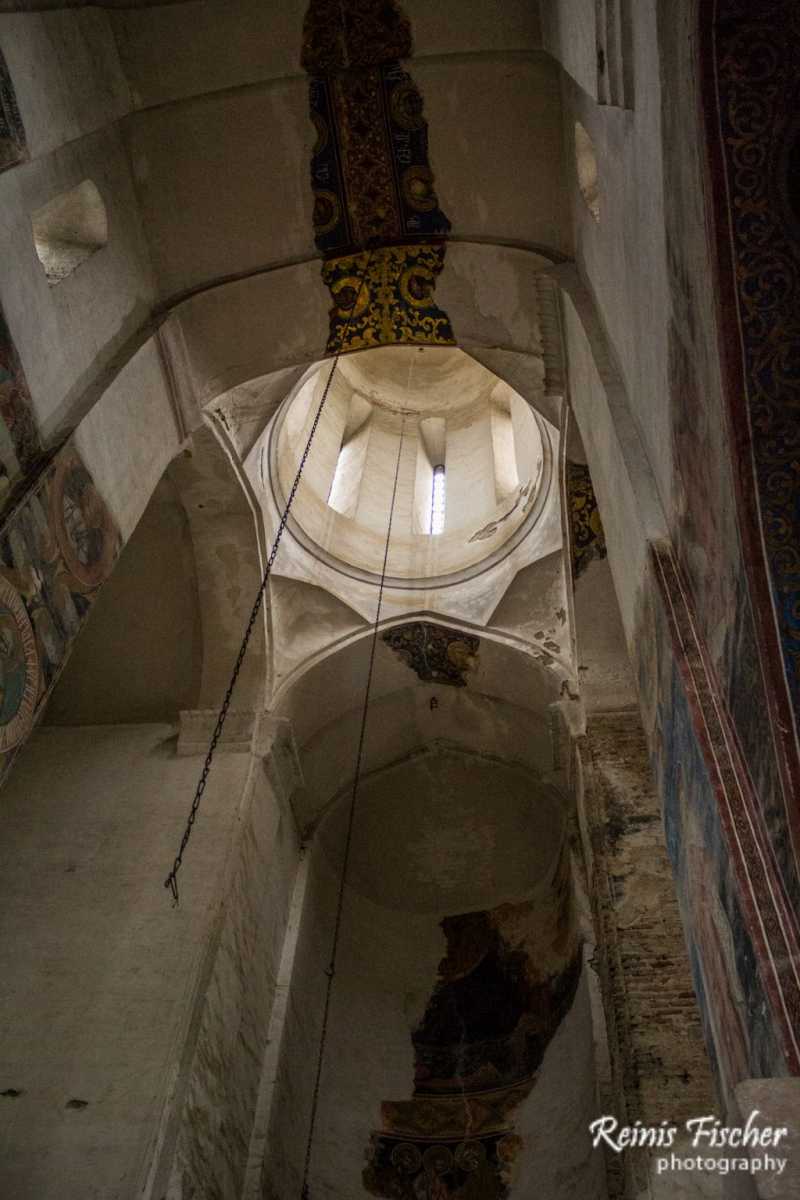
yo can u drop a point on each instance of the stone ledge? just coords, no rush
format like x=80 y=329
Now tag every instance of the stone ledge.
x=245 y=731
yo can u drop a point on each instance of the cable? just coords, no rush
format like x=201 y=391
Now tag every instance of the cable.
x=171 y=881
x=331 y=969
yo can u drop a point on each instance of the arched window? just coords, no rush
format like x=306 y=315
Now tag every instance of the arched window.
x=438 y=498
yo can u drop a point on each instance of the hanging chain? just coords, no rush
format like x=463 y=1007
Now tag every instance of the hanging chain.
x=171 y=881
x=330 y=970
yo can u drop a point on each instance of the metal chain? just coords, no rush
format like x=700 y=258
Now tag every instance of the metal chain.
x=330 y=970
x=171 y=881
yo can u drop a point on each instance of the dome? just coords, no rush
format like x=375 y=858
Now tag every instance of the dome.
x=473 y=475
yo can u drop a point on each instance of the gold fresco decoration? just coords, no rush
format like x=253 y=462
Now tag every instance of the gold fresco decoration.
x=393 y=304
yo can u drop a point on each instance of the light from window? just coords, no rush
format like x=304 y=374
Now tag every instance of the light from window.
x=336 y=494
x=346 y=485
x=437 y=501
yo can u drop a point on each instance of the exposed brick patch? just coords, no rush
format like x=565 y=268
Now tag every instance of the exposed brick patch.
x=659 y=1064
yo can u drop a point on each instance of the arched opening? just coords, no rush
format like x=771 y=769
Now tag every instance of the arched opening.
x=459 y=984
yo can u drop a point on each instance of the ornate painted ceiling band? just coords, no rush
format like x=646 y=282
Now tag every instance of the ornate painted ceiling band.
x=750 y=58
x=13 y=143
x=371 y=178
x=370 y=172
x=393 y=305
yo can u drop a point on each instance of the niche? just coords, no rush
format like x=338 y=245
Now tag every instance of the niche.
x=586 y=164
x=69 y=229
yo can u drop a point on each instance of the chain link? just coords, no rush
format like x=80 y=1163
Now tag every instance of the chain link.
x=171 y=881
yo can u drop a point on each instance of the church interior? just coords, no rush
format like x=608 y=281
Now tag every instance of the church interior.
x=399 y=597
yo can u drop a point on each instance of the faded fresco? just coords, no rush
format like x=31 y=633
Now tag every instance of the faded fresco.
x=506 y=983
x=20 y=449
x=56 y=548
x=751 y=72
x=717 y=634
x=434 y=653
x=716 y=867
x=13 y=144
x=587 y=538
x=377 y=219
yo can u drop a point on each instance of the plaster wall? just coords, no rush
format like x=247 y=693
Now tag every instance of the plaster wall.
x=469 y=472
x=130 y=435
x=88 y=319
x=228 y=556
x=221 y=1098
x=67 y=74
x=222 y=184
x=249 y=146
x=139 y=658
x=569 y=33
x=604 y=668
x=475 y=156
x=624 y=254
x=502 y=713
x=98 y=967
x=377 y=481
x=176 y=51
x=625 y=518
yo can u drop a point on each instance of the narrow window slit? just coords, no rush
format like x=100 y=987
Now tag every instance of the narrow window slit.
x=438 y=499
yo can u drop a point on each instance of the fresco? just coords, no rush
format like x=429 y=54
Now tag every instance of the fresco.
x=57 y=546
x=434 y=653
x=13 y=144
x=20 y=449
x=587 y=538
x=507 y=981
x=736 y=917
x=371 y=178
x=719 y=619
x=386 y=297
x=750 y=55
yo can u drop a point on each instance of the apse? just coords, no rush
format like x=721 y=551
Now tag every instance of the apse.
x=459 y=1025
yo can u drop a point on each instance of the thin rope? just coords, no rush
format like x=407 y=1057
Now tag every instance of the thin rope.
x=171 y=881
x=330 y=970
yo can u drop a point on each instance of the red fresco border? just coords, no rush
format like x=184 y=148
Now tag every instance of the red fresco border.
x=783 y=720
x=770 y=920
